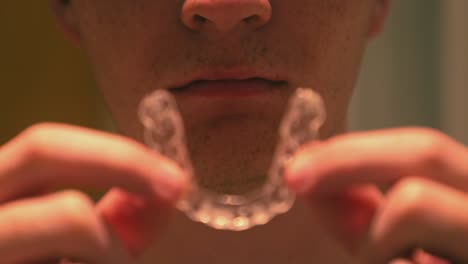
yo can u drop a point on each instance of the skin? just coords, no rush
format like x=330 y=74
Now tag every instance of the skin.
x=160 y=57
x=138 y=46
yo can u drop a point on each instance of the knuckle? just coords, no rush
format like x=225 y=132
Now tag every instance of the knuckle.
x=408 y=200
x=35 y=140
x=39 y=129
x=77 y=220
x=77 y=210
x=80 y=220
x=399 y=222
x=77 y=199
x=431 y=146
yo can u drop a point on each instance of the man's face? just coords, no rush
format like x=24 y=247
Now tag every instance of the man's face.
x=138 y=46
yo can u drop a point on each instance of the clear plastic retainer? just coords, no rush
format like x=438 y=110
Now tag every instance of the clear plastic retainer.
x=164 y=133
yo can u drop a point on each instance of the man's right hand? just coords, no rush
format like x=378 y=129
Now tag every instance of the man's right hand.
x=37 y=222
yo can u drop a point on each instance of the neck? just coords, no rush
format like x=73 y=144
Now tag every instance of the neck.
x=294 y=237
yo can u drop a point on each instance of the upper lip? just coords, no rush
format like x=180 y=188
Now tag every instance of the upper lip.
x=239 y=73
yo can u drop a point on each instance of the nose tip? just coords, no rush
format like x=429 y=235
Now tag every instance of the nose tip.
x=225 y=15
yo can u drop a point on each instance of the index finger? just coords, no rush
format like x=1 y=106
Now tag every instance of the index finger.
x=338 y=177
x=52 y=156
x=380 y=158
x=144 y=185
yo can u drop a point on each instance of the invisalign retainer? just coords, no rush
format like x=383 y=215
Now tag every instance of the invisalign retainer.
x=164 y=133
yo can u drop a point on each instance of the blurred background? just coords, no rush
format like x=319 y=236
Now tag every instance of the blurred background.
x=414 y=74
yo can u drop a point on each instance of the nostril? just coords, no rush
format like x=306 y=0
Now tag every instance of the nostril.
x=225 y=15
x=198 y=19
x=251 y=19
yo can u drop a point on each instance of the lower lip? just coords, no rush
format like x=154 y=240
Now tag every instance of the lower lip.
x=230 y=88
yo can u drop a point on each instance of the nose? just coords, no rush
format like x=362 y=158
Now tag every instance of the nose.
x=225 y=15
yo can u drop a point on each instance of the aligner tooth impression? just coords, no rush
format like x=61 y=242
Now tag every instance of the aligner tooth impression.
x=164 y=133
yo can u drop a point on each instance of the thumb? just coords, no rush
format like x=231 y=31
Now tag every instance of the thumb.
x=136 y=220
x=345 y=211
x=347 y=215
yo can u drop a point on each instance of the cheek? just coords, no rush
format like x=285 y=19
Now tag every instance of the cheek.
x=327 y=36
x=123 y=40
x=330 y=43
x=119 y=30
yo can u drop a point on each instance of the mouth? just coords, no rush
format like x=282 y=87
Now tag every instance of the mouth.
x=229 y=85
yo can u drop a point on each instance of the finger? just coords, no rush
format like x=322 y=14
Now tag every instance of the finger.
x=68 y=157
x=332 y=175
x=55 y=225
x=420 y=213
x=401 y=261
x=58 y=156
x=347 y=215
x=135 y=221
x=380 y=158
x=421 y=257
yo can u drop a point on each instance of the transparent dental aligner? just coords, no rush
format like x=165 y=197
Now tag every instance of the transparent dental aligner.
x=164 y=133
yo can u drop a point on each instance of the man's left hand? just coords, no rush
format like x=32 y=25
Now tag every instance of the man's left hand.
x=389 y=194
